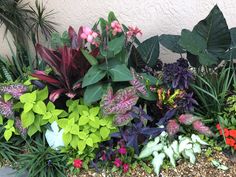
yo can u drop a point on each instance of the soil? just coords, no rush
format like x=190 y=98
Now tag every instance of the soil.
x=202 y=168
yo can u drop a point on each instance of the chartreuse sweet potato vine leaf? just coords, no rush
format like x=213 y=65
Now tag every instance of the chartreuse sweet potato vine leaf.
x=9 y=129
x=85 y=127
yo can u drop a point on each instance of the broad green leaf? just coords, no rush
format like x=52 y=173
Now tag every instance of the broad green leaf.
x=32 y=130
x=120 y=73
x=56 y=112
x=67 y=137
x=149 y=50
x=104 y=131
x=94 y=111
x=111 y=17
x=40 y=108
x=94 y=93
x=27 y=119
x=74 y=129
x=215 y=31
x=82 y=108
x=170 y=42
x=28 y=107
x=116 y=44
x=89 y=142
x=1 y=120
x=93 y=76
x=74 y=141
x=82 y=135
x=95 y=138
x=28 y=97
x=83 y=120
x=42 y=94
x=81 y=146
x=92 y=60
x=94 y=123
x=7 y=134
x=50 y=106
x=7 y=97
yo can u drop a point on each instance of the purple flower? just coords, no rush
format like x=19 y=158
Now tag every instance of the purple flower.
x=122 y=151
x=15 y=90
x=6 y=109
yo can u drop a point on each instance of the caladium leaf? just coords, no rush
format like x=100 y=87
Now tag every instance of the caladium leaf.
x=197 y=148
x=157 y=162
x=150 y=148
x=197 y=139
x=122 y=119
x=170 y=153
x=184 y=143
x=190 y=154
x=175 y=146
x=137 y=84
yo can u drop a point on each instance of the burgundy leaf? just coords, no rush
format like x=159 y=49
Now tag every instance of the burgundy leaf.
x=56 y=94
x=73 y=37
x=123 y=119
x=47 y=79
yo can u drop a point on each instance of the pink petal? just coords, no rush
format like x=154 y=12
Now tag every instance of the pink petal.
x=90 y=38
x=83 y=36
x=87 y=30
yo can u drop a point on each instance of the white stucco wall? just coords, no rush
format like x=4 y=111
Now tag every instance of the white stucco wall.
x=152 y=16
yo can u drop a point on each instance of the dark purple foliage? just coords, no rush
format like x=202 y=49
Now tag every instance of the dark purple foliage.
x=168 y=115
x=186 y=102
x=177 y=74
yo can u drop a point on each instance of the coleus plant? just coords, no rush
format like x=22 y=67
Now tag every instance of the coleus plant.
x=68 y=64
x=161 y=148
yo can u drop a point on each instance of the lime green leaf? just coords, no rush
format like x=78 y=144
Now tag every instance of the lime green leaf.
x=94 y=123
x=95 y=138
x=83 y=120
x=42 y=94
x=82 y=135
x=50 y=106
x=94 y=111
x=56 y=112
x=28 y=97
x=74 y=141
x=40 y=108
x=1 y=120
x=67 y=137
x=10 y=123
x=32 y=130
x=7 y=97
x=28 y=107
x=27 y=118
x=104 y=131
x=81 y=146
x=7 y=134
x=89 y=142
x=74 y=129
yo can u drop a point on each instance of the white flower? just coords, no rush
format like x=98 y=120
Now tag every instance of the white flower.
x=54 y=137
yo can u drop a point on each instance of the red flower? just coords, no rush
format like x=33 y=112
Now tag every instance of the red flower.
x=234 y=147
x=218 y=126
x=117 y=162
x=232 y=133
x=230 y=141
x=125 y=168
x=78 y=163
x=220 y=131
x=226 y=132
x=122 y=151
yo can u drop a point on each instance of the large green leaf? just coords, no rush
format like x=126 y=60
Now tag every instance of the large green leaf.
x=120 y=73
x=231 y=54
x=94 y=93
x=116 y=44
x=92 y=60
x=93 y=75
x=215 y=31
x=170 y=42
x=149 y=50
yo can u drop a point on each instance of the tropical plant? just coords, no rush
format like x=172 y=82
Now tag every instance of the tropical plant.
x=161 y=148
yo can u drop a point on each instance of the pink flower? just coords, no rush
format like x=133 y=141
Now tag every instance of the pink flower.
x=77 y=163
x=117 y=162
x=122 y=151
x=187 y=119
x=89 y=35
x=133 y=31
x=172 y=127
x=201 y=128
x=6 y=109
x=116 y=26
x=104 y=156
x=125 y=168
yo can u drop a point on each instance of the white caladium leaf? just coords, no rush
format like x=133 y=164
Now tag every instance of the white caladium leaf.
x=184 y=143
x=54 y=137
x=170 y=153
x=218 y=165
x=197 y=139
x=157 y=161
x=149 y=149
x=175 y=146
x=197 y=148
x=190 y=154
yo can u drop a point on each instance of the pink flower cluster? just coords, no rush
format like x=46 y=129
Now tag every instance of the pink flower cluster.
x=133 y=31
x=118 y=163
x=116 y=27
x=89 y=35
